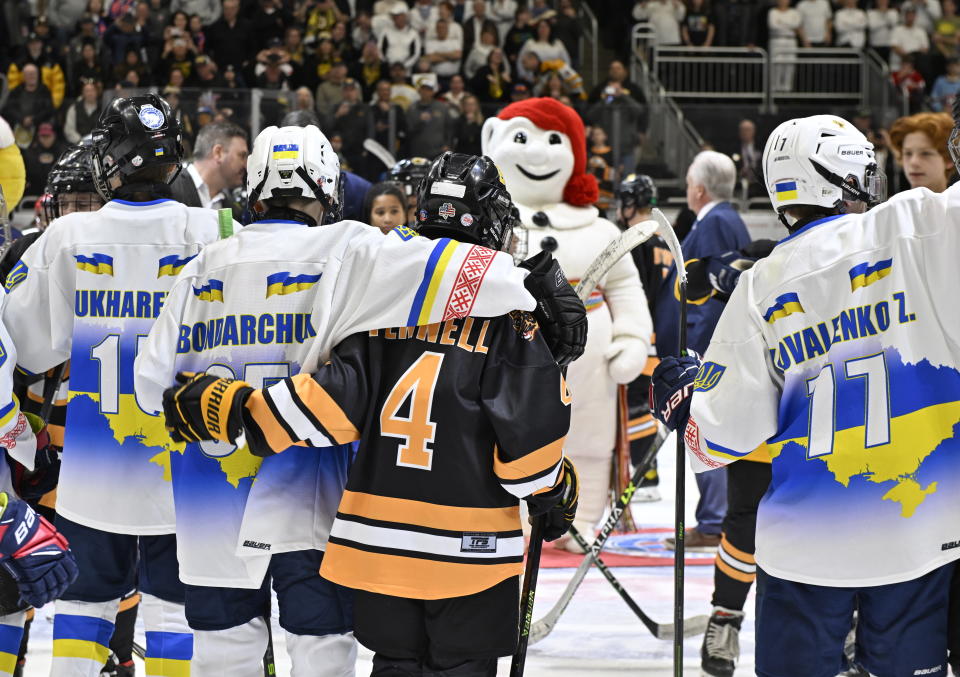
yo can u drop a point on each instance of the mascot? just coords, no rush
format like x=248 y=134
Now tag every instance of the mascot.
x=539 y=146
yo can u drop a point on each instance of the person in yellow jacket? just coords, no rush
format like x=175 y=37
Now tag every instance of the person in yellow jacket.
x=51 y=74
x=13 y=174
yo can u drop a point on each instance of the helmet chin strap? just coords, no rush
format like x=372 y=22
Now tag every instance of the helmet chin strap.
x=853 y=193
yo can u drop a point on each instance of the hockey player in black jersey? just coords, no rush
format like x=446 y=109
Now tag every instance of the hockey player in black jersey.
x=458 y=421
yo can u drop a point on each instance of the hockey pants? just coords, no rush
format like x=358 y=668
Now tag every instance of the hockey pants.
x=238 y=652
x=735 y=568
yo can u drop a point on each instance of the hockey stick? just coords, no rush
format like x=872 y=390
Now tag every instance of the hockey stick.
x=51 y=386
x=379 y=151
x=269 y=660
x=544 y=626
x=679 y=505
x=527 y=596
x=632 y=237
x=691 y=626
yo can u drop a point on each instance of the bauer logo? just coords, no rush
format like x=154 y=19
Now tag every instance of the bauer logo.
x=257 y=545
x=708 y=377
x=16 y=276
x=478 y=542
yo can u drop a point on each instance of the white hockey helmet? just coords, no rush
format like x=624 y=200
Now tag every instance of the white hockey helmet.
x=821 y=160
x=294 y=162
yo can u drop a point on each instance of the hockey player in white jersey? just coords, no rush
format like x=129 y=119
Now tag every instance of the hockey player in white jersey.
x=36 y=565
x=257 y=307
x=89 y=291
x=839 y=350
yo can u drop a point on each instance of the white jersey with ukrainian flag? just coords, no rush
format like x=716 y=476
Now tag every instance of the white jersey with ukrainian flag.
x=16 y=435
x=89 y=290
x=263 y=305
x=841 y=351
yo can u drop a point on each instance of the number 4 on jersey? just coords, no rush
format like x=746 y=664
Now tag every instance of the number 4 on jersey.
x=416 y=430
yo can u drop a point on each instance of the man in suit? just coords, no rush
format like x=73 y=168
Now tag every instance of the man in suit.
x=219 y=162
x=718 y=229
x=747 y=156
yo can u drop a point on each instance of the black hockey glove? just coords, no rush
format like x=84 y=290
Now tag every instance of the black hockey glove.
x=559 y=505
x=671 y=387
x=559 y=312
x=717 y=275
x=205 y=407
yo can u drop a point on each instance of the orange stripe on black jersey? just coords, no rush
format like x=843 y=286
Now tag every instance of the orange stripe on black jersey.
x=527 y=467
x=425 y=514
x=412 y=577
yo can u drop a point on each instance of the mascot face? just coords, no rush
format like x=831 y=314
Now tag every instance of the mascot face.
x=536 y=163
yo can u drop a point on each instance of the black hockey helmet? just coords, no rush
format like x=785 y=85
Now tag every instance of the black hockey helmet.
x=637 y=191
x=70 y=186
x=409 y=173
x=133 y=134
x=464 y=198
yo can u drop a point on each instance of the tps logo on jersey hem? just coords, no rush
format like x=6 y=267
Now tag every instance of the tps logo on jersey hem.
x=98 y=264
x=786 y=190
x=405 y=232
x=786 y=304
x=863 y=275
x=211 y=291
x=173 y=264
x=16 y=276
x=708 y=377
x=478 y=542
x=287 y=283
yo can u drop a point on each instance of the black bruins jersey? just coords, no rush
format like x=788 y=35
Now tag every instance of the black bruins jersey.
x=457 y=422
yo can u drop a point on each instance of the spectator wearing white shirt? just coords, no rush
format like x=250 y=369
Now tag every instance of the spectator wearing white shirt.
x=907 y=38
x=443 y=53
x=817 y=21
x=665 y=17
x=850 y=25
x=423 y=15
x=881 y=20
x=475 y=21
x=545 y=46
x=785 y=24
x=502 y=12
x=479 y=52
x=445 y=12
x=400 y=43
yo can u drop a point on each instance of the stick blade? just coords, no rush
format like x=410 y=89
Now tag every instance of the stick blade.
x=693 y=626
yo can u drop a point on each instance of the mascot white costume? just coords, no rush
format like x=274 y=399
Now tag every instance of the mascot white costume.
x=539 y=146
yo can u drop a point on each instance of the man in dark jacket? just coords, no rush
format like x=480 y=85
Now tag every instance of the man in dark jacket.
x=718 y=229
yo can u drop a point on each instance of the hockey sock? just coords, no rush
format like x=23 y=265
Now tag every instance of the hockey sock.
x=169 y=640
x=322 y=656
x=11 y=631
x=121 y=644
x=81 y=637
x=733 y=574
x=236 y=651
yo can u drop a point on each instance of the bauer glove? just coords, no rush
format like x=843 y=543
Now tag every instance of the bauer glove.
x=559 y=504
x=34 y=552
x=559 y=312
x=205 y=407
x=671 y=387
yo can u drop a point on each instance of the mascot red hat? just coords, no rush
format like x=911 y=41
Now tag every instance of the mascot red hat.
x=581 y=190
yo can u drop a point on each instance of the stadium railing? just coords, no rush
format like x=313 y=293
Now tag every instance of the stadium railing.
x=717 y=72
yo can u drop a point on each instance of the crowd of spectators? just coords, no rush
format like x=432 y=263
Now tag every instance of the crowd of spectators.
x=417 y=76
x=918 y=39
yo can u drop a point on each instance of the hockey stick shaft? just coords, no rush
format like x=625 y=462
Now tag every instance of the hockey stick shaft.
x=545 y=625
x=527 y=595
x=679 y=558
x=51 y=386
x=269 y=660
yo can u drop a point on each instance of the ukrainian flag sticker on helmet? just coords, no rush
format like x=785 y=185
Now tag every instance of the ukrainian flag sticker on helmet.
x=786 y=190
x=285 y=151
